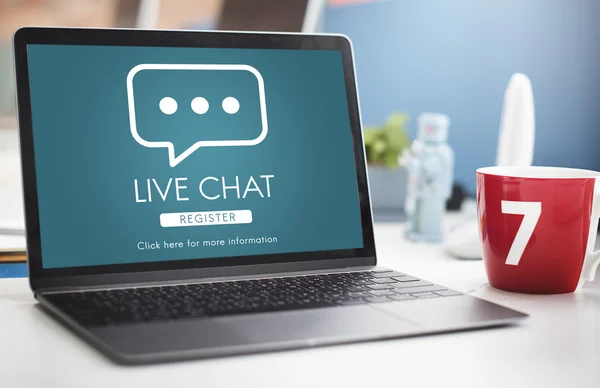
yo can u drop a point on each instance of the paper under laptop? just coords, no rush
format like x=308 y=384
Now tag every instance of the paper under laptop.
x=12 y=235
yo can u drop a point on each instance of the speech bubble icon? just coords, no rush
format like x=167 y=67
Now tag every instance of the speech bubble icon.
x=183 y=107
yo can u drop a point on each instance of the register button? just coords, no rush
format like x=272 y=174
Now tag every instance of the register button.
x=221 y=217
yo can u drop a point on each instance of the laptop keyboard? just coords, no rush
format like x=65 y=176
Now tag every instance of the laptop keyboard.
x=144 y=304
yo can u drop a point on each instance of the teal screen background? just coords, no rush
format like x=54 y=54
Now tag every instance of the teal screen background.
x=87 y=159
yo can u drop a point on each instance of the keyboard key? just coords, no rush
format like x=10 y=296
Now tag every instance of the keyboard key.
x=387 y=274
x=401 y=297
x=406 y=278
x=448 y=293
x=410 y=290
x=378 y=299
x=384 y=280
x=381 y=292
x=417 y=283
x=425 y=295
x=380 y=287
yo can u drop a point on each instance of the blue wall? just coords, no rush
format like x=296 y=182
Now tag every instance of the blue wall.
x=457 y=56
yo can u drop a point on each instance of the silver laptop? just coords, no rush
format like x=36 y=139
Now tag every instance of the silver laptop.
x=202 y=194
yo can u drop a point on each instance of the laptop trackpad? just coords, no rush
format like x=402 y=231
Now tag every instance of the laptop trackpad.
x=352 y=322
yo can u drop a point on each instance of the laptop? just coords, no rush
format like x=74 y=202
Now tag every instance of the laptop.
x=202 y=194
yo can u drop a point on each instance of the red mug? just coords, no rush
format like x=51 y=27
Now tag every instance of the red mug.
x=538 y=227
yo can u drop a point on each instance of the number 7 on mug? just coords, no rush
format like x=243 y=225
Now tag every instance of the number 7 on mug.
x=531 y=212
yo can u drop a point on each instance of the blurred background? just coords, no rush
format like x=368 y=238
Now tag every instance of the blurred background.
x=412 y=56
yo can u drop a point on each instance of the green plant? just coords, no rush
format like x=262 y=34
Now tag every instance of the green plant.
x=384 y=144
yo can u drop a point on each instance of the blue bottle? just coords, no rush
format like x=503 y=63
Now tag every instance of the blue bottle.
x=430 y=165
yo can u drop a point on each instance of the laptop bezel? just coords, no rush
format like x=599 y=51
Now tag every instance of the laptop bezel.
x=194 y=268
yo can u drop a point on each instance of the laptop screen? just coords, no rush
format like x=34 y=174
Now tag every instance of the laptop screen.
x=154 y=154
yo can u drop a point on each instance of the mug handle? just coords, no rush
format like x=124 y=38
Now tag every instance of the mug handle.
x=592 y=258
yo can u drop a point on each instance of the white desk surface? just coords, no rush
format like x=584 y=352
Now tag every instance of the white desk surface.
x=557 y=346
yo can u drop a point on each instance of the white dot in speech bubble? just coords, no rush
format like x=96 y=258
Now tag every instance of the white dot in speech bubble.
x=168 y=105
x=231 y=105
x=200 y=105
